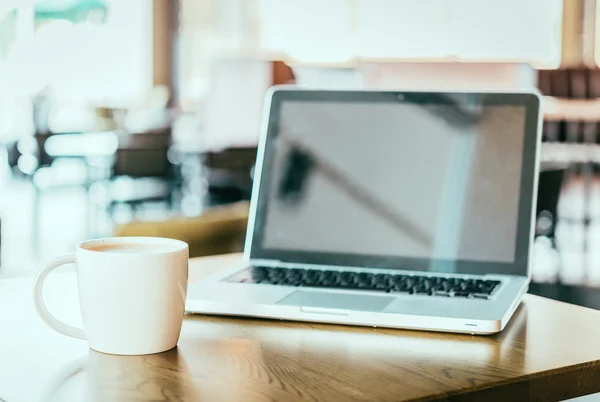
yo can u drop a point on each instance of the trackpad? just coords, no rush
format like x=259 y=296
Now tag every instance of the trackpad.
x=339 y=301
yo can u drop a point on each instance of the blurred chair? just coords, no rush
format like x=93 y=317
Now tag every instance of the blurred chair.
x=229 y=171
x=144 y=159
x=219 y=230
x=549 y=187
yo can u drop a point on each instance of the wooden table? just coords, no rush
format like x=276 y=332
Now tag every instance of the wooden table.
x=549 y=351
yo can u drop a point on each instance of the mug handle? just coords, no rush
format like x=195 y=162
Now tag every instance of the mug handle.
x=40 y=306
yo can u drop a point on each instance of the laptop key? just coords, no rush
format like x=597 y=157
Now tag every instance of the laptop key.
x=399 y=289
x=311 y=282
x=348 y=277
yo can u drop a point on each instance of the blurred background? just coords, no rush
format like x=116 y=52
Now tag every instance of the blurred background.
x=141 y=117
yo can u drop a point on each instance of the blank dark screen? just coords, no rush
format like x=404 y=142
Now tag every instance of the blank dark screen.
x=434 y=181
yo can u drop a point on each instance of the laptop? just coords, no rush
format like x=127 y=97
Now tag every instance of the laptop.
x=395 y=209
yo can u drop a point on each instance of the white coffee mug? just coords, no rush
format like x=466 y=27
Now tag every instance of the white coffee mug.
x=132 y=293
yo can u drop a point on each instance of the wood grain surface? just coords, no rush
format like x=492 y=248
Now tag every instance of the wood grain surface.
x=550 y=351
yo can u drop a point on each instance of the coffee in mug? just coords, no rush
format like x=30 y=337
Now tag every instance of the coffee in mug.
x=130 y=248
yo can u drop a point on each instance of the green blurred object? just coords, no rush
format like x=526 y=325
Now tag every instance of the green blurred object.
x=71 y=10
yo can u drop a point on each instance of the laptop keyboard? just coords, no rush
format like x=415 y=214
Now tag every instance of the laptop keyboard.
x=389 y=283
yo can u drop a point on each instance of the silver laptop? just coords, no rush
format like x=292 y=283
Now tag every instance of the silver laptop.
x=395 y=209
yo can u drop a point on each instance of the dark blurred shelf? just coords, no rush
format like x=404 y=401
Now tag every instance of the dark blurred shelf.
x=575 y=294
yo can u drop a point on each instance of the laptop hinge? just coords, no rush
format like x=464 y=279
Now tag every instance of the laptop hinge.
x=265 y=263
x=281 y=264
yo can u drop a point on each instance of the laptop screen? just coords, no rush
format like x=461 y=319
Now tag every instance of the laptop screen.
x=436 y=181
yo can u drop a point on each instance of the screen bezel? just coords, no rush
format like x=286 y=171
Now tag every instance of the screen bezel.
x=527 y=192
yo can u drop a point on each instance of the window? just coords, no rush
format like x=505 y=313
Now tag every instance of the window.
x=89 y=50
